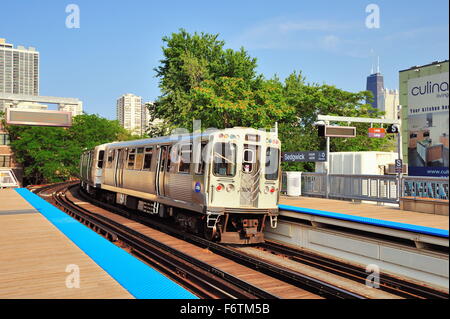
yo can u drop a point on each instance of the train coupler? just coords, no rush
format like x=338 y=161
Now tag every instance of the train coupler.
x=250 y=227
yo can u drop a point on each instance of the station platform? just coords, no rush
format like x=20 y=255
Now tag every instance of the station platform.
x=47 y=254
x=370 y=214
x=405 y=244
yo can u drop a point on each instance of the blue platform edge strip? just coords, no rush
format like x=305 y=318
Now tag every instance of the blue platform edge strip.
x=371 y=221
x=136 y=277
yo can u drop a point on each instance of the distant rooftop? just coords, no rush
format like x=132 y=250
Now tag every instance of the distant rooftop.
x=421 y=66
x=3 y=44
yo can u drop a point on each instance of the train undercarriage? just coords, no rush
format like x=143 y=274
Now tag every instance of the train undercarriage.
x=223 y=227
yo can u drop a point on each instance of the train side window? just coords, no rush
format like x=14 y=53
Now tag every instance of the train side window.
x=148 y=158
x=200 y=165
x=139 y=161
x=185 y=158
x=131 y=159
x=163 y=158
x=110 y=159
x=169 y=156
x=101 y=155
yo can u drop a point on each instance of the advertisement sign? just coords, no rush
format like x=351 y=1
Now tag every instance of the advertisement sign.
x=428 y=118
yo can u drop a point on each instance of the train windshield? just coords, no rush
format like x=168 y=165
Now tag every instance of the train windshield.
x=224 y=159
x=272 y=158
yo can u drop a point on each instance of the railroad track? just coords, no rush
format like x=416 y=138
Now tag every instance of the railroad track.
x=387 y=282
x=207 y=281
x=188 y=272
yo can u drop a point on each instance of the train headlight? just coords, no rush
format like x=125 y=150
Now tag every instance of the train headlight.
x=219 y=187
x=266 y=190
x=230 y=188
x=272 y=189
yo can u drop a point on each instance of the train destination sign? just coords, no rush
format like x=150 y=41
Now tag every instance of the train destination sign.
x=304 y=156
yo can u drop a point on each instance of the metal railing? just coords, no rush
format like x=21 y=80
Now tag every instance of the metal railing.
x=378 y=188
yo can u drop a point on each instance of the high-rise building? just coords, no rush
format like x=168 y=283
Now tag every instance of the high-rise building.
x=384 y=100
x=19 y=69
x=375 y=84
x=130 y=113
x=75 y=109
x=389 y=104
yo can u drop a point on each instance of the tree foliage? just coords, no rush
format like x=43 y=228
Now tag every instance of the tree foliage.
x=201 y=80
x=51 y=154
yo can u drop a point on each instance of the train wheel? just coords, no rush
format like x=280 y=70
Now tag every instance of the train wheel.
x=212 y=234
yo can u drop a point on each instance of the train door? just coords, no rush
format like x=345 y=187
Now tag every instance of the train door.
x=250 y=175
x=161 y=162
x=118 y=176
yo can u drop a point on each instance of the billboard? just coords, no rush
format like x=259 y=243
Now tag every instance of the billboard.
x=428 y=119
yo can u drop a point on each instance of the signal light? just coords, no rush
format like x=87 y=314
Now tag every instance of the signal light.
x=272 y=190
x=219 y=187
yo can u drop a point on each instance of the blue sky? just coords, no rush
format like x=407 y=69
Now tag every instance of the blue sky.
x=119 y=42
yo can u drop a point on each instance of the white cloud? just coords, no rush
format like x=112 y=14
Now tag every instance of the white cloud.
x=287 y=34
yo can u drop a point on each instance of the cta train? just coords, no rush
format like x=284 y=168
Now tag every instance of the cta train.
x=222 y=184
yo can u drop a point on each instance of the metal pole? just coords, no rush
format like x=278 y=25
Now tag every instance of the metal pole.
x=399 y=174
x=328 y=167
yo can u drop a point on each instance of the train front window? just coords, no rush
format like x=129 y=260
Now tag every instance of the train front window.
x=249 y=158
x=224 y=161
x=272 y=158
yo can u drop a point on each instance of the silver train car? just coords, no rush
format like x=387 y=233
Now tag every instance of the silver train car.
x=222 y=184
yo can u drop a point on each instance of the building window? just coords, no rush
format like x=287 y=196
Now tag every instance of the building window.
x=4 y=139
x=5 y=161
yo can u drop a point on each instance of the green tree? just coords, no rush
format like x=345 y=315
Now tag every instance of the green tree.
x=309 y=100
x=199 y=79
x=51 y=154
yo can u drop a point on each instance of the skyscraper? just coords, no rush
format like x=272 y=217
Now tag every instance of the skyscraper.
x=384 y=100
x=130 y=113
x=375 y=84
x=19 y=69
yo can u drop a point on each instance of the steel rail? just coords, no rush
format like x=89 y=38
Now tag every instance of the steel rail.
x=294 y=278
x=388 y=282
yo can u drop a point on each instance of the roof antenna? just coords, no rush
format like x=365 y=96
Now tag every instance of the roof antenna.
x=378 y=64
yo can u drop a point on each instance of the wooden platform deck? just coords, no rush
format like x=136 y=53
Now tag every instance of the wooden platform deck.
x=384 y=212
x=34 y=256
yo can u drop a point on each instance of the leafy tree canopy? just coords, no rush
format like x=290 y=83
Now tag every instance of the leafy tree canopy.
x=200 y=79
x=51 y=154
